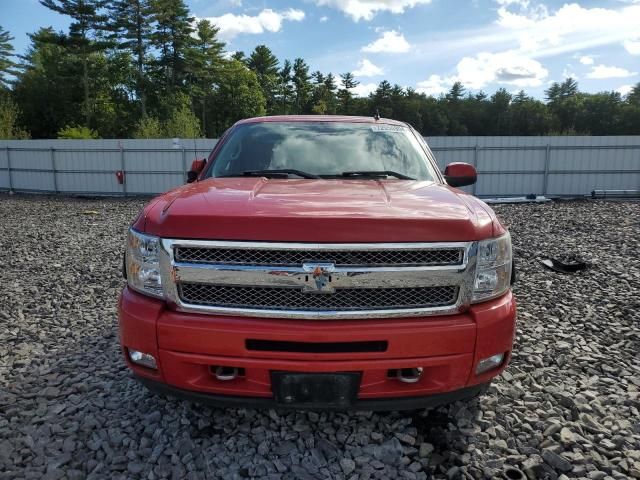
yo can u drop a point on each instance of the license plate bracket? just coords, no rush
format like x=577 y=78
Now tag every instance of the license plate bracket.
x=315 y=390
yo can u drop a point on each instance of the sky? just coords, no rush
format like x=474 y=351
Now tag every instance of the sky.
x=422 y=44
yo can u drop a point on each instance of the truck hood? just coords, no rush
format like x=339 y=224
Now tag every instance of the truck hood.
x=351 y=210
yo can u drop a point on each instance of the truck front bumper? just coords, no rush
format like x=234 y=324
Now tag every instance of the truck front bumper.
x=189 y=347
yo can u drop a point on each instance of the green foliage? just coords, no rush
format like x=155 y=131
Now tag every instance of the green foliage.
x=9 y=129
x=145 y=68
x=172 y=37
x=265 y=65
x=182 y=123
x=204 y=60
x=148 y=127
x=6 y=62
x=238 y=96
x=129 y=27
x=87 y=22
x=302 y=85
x=74 y=132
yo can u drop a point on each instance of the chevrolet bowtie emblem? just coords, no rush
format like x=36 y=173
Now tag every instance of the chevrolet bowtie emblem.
x=321 y=277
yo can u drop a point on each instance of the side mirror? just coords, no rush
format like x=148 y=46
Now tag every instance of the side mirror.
x=459 y=174
x=196 y=167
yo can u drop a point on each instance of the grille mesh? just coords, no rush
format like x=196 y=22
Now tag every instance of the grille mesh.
x=237 y=256
x=346 y=299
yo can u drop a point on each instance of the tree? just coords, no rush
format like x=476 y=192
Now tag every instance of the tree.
x=204 y=62
x=74 y=132
x=633 y=97
x=345 y=97
x=172 y=37
x=239 y=56
x=131 y=28
x=265 y=65
x=529 y=116
x=381 y=100
x=182 y=123
x=9 y=129
x=87 y=23
x=148 y=127
x=499 y=112
x=6 y=62
x=456 y=93
x=563 y=102
x=285 y=88
x=302 y=85
x=46 y=87
x=238 y=96
x=600 y=114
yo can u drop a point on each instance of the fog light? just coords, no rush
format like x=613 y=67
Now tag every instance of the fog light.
x=490 y=363
x=144 y=359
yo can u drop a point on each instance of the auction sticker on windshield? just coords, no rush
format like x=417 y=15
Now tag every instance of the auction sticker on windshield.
x=387 y=128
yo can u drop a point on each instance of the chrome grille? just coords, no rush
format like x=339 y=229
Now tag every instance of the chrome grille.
x=301 y=280
x=341 y=258
x=346 y=299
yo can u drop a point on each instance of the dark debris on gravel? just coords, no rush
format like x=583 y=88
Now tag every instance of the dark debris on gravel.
x=567 y=407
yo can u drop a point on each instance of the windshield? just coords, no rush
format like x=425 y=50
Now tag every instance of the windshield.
x=326 y=149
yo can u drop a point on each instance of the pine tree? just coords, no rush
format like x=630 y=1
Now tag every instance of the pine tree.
x=456 y=93
x=130 y=24
x=265 y=65
x=302 y=85
x=345 y=97
x=172 y=37
x=633 y=97
x=6 y=54
x=285 y=88
x=86 y=27
x=204 y=62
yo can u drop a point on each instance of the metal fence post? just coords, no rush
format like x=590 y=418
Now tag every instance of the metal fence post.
x=547 y=158
x=124 y=171
x=475 y=164
x=9 y=170
x=52 y=153
x=184 y=165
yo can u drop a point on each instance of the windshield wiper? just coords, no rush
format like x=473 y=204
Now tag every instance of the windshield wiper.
x=282 y=173
x=378 y=173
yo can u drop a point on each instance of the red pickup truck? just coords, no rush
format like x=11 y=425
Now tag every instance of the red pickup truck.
x=319 y=262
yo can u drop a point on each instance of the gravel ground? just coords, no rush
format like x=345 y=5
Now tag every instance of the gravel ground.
x=566 y=408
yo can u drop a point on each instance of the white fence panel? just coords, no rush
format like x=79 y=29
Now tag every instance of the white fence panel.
x=507 y=166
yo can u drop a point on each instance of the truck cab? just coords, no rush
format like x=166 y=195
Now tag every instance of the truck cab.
x=319 y=262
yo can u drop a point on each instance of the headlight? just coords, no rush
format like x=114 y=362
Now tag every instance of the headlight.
x=143 y=264
x=493 y=268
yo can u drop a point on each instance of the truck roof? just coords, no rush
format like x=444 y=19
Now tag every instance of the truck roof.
x=320 y=118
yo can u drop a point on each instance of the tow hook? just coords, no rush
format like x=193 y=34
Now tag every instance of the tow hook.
x=226 y=373
x=409 y=375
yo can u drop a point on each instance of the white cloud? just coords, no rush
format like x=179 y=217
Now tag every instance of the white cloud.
x=367 y=69
x=267 y=20
x=364 y=89
x=366 y=9
x=570 y=28
x=389 y=42
x=632 y=46
x=434 y=85
x=624 y=90
x=521 y=3
x=507 y=68
x=511 y=68
x=605 y=71
x=323 y=19
x=568 y=73
x=586 y=60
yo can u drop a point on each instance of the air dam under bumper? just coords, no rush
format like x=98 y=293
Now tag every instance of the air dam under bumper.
x=187 y=346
